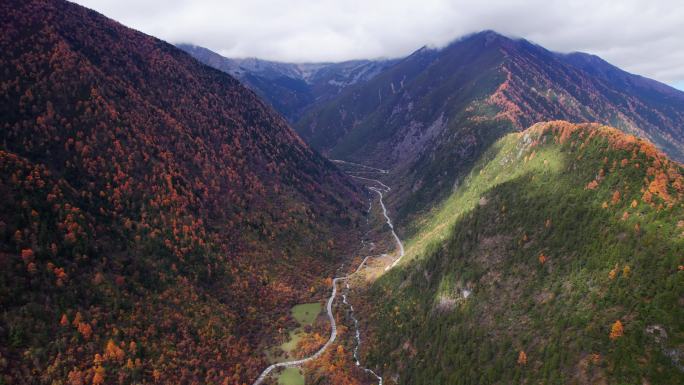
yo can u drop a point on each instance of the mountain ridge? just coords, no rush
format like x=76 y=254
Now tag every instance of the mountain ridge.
x=291 y=87
x=442 y=107
x=556 y=260
x=523 y=49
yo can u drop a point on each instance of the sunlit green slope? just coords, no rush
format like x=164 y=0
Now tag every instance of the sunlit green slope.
x=558 y=233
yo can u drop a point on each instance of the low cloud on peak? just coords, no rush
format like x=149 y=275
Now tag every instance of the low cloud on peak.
x=640 y=37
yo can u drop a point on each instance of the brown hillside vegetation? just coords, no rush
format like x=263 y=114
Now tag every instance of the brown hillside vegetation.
x=146 y=202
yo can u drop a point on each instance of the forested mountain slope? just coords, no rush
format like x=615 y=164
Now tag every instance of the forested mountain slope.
x=431 y=115
x=557 y=260
x=157 y=220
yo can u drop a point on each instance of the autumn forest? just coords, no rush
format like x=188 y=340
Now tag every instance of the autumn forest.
x=483 y=213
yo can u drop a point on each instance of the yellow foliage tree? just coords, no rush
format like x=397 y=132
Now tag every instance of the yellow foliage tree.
x=613 y=273
x=617 y=330
x=99 y=376
x=77 y=319
x=114 y=352
x=75 y=377
x=85 y=329
x=522 y=358
x=542 y=258
x=616 y=197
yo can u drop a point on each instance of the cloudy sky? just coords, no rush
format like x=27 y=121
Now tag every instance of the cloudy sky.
x=643 y=37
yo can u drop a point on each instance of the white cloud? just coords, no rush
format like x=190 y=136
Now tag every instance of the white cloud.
x=644 y=37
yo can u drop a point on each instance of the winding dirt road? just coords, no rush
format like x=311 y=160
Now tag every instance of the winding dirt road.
x=373 y=169
x=333 y=333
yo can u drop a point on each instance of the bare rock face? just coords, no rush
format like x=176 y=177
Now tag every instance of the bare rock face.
x=676 y=354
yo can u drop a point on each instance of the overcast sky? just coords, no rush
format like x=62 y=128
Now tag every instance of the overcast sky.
x=641 y=36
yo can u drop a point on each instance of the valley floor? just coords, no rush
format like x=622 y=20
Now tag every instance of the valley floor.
x=287 y=372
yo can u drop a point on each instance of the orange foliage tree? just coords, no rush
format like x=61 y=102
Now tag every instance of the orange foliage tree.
x=617 y=330
x=542 y=258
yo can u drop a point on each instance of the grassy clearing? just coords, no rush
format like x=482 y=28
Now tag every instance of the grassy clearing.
x=306 y=313
x=291 y=376
x=295 y=336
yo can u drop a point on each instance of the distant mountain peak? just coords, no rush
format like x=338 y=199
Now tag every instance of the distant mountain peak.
x=291 y=87
x=436 y=109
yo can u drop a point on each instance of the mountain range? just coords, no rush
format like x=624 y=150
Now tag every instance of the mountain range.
x=487 y=212
x=291 y=87
x=429 y=115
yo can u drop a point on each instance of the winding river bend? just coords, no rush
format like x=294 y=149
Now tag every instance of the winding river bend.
x=382 y=189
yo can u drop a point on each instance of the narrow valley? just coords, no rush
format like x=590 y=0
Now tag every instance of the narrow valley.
x=341 y=193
